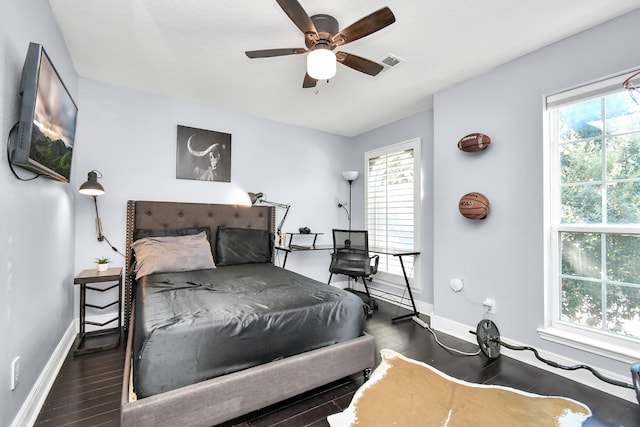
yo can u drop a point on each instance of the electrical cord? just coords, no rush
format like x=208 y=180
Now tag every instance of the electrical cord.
x=112 y=247
x=9 y=151
x=454 y=350
x=435 y=336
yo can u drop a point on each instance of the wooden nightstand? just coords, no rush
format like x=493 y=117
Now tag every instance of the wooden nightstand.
x=102 y=339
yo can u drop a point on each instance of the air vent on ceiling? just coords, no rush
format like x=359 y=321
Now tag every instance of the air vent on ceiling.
x=390 y=61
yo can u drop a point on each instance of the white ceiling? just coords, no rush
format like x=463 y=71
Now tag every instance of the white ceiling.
x=194 y=50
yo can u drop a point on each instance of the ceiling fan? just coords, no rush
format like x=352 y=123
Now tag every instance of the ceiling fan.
x=322 y=36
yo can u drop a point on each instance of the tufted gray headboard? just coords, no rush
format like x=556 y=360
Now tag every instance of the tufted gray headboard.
x=169 y=215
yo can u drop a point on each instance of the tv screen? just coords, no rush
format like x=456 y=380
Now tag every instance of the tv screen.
x=47 y=125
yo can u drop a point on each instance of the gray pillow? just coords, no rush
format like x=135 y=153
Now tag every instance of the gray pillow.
x=141 y=233
x=172 y=254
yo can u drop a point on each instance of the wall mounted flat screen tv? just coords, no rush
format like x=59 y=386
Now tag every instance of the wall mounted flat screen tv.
x=48 y=114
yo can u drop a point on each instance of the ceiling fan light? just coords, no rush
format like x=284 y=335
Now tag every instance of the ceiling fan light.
x=321 y=64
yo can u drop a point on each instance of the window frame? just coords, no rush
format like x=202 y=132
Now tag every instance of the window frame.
x=608 y=345
x=413 y=272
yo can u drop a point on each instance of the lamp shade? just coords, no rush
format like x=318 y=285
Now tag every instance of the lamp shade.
x=254 y=197
x=350 y=175
x=321 y=64
x=92 y=187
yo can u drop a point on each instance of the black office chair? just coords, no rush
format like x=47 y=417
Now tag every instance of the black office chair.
x=351 y=258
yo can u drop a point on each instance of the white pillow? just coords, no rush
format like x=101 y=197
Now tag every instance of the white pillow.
x=172 y=254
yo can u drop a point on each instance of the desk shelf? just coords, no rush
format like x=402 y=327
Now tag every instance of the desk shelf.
x=293 y=246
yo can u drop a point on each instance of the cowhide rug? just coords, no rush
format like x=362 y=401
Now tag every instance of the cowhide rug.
x=405 y=392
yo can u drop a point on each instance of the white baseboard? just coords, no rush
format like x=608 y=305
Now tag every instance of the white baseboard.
x=581 y=376
x=394 y=298
x=35 y=399
x=33 y=403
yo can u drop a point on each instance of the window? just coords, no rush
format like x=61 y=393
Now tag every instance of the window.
x=392 y=205
x=594 y=136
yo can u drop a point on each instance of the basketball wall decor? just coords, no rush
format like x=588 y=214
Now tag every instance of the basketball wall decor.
x=474 y=142
x=474 y=206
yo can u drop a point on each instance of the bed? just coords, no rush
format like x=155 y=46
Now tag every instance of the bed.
x=175 y=373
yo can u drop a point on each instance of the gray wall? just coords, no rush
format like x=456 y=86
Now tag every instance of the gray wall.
x=130 y=137
x=37 y=220
x=502 y=257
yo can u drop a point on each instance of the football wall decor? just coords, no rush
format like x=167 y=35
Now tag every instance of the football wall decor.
x=474 y=206
x=474 y=142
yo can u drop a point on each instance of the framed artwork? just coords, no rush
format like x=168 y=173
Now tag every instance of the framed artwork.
x=203 y=155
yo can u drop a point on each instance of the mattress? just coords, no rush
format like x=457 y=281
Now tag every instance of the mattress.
x=197 y=325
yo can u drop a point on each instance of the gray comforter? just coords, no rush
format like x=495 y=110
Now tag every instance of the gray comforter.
x=198 y=325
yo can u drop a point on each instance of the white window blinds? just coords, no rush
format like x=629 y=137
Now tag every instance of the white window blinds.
x=392 y=202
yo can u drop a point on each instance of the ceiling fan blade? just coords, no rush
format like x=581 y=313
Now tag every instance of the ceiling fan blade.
x=267 y=53
x=299 y=16
x=309 y=81
x=359 y=63
x=365 y=26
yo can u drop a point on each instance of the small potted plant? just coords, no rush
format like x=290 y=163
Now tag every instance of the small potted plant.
x=102 y=263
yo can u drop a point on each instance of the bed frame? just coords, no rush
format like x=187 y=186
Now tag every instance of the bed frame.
x=224 y=398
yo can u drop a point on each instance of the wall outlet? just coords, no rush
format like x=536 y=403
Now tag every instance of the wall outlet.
x=489 y=305
x=15 y=371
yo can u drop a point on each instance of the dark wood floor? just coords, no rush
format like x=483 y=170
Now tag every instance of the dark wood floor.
x=87 y=390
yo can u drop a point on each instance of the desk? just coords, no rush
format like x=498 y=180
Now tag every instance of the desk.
x=93 y=276
x=399 y=253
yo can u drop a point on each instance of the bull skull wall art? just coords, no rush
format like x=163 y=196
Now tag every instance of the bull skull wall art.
x=203 y=155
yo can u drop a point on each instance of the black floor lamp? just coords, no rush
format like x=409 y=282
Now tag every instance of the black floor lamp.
x=349 y=176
